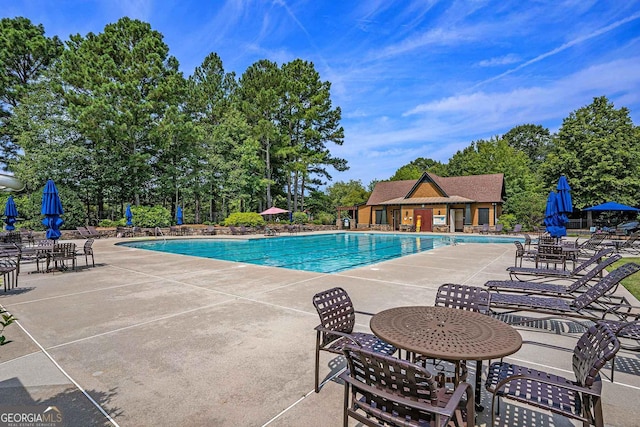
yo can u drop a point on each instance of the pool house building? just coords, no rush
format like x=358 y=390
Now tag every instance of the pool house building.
x=434 y=203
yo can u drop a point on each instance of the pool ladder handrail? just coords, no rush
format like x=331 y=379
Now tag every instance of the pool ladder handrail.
x=157 y=231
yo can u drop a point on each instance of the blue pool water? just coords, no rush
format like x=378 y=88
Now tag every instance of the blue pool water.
x=322 y=253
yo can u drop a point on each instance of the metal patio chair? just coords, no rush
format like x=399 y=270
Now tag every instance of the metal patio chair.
x=384 y=390
x=578 y=399
x=463 y=297
x=337 y=319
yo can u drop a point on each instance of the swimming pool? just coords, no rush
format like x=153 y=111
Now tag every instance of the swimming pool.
x=321 y=253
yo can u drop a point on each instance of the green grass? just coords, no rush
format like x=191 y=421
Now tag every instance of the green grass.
x=632 y=283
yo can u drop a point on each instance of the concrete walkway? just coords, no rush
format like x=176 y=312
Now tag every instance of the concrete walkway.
x=153 y=339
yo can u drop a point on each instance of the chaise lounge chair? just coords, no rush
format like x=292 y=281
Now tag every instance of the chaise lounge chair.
x=542 y=274
x=594 y=244
x=85 y=233
x=546 y=288
x=94 y=232
x=589 y=305
x=630 y=245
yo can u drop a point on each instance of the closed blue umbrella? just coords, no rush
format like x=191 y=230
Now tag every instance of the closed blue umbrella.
x=51 y=209
x=552 y=218
x=11 y=213
x=565 y=204
x=129 y=216
x=179 y=215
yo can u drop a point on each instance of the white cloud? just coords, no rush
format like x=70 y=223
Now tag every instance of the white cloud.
x=501 y=60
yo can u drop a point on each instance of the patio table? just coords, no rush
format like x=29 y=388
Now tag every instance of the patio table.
x=449 y=334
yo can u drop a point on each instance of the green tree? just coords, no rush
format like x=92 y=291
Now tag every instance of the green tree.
x=347 y=193
x=415 y=169
x=533 y=140
x=25 y=53
x=308 y=122
x=210 y=93
x=497 y=156
x=258 y=97
x=598 y=149
x=117 y=86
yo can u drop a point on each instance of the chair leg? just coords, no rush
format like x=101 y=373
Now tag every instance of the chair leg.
x=317 y=362
x=613 y=367
x=345 y=420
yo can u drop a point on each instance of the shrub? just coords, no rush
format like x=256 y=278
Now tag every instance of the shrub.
x=507 y=220
x=110 y=223
x=300 y=218
x=248 y=219
x=325 y=218
x=150 y=216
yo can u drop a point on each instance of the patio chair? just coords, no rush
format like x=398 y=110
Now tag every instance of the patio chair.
x=516 y=229
x=498 y=229
x=235 y=231
x=578 y=399
x=337 y=319
x=209 y=231
x=86 y=234
x=384 y=390
x=484 y=229
x=9 y=269
x=522 y=254
x=546 y=288
x=593 y=244
x=541 y=274
x=94 y=232
x=551 y=255
x=60 y=254
x=270 y=231
x=87 y=251
x=27 y=235
x=630 y=245
x=624 y=321
x=588 y=305
x=40 y=252
x=463 y=297
x=12 y=237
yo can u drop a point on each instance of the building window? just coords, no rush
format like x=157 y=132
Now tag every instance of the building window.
x=381 y=216
x=483 y=216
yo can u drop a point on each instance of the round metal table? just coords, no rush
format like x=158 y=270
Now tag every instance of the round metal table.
x=448 y=334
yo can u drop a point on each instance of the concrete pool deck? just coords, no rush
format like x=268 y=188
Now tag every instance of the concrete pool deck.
x=147 y=338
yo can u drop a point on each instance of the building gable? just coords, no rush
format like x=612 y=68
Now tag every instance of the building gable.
x=487 y=188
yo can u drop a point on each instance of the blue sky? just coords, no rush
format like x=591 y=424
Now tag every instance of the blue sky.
x=414 y=79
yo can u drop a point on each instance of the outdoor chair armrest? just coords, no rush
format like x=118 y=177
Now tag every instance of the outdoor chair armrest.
x=631 y=324
x=364 y=312
x=593 y=391
x=623 y=312
x=447 y=411
x=321 y=328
